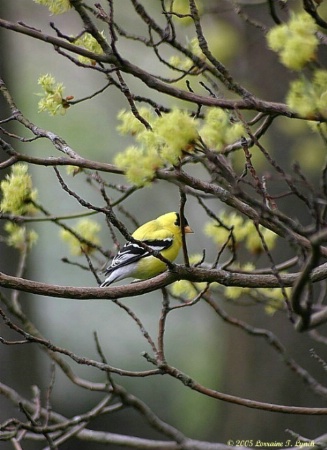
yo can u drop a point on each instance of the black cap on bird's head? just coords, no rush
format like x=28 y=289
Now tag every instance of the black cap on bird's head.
x=187 y=228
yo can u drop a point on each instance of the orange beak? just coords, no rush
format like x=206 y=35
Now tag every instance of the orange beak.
x=188 y=229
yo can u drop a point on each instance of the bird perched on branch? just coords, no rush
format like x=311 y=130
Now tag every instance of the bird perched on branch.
x=163 y=235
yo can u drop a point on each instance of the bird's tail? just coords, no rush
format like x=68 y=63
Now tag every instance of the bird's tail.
x=107 y=282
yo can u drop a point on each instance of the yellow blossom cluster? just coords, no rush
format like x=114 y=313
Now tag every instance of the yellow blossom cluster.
x=273 y=298
x=19 y=237
x=308 y=97
x=52 y=99
x=181 y=10
x=168 y=138
x=176 y=133
x=218 y=130
x=171 y=135
x=88 y=230
x=186 y=64
x=130 y=124
x=18 y=198
x=73 y=170
x=55 y=6
x=88 y=42
x=295 y=41
x=18 y=194
x=235 y=292
x=186 y=289
x=243 y=231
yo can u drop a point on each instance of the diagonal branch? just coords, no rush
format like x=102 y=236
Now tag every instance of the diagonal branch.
x=253 y=104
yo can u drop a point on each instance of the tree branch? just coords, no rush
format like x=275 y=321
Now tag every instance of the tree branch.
x=253 y=104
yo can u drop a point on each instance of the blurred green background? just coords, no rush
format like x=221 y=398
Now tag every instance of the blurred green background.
x=198 y=342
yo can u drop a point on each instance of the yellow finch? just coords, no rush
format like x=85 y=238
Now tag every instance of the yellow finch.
x=163 y=234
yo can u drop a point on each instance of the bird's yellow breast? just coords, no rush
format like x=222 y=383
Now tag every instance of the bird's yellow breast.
x=165 y=227
x=151 y=266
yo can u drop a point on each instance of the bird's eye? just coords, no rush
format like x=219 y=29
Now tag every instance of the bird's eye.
x=178 y=221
